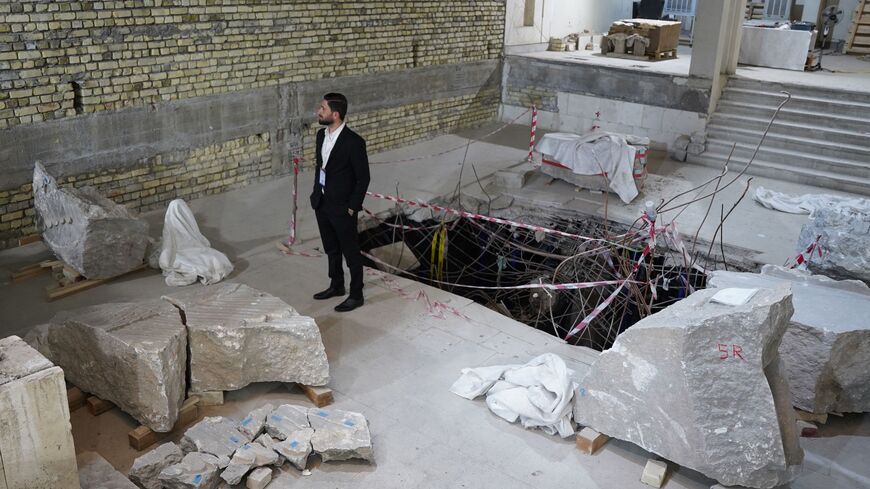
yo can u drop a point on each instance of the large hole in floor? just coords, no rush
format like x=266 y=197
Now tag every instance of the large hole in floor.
x=466 y=256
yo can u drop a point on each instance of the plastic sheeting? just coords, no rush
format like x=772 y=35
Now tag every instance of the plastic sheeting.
x=595 y=153
x=807 y=203
x=538 y=394
x=187 y=255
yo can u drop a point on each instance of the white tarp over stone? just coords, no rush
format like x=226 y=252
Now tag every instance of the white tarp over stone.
x=90 y=233
x=238 y=335
x=827 y=345
x=701 y=384
x=538 y=394
x=187 y=256
x=594 y=153
x=806 y=203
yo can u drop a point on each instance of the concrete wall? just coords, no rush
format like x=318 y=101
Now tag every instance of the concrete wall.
x=149 y=101
x=568 y=96
x=558 y=18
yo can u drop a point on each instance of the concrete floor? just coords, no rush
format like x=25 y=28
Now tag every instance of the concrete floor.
x=840 y=72
x=393 y=360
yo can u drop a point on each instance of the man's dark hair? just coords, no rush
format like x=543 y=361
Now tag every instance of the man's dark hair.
x=337 y=103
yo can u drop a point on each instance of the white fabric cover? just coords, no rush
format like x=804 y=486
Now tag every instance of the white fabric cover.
x=187 y=255
x=594 y=153
x=774 y=48
x=538 y=393
x=807 y=203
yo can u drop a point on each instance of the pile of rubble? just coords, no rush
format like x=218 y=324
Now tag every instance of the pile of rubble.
x=222 y=449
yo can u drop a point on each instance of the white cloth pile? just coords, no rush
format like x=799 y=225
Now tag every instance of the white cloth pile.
x=595 y=153
x=538 y=393
x=807 y=203
x=186 y=254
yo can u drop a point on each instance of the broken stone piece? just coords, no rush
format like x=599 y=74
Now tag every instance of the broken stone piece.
x=297 y=447
x=844 y=240
x=252 y=425
x=701 y=384
x=90 y=233
x=826 y=347
x=340 y=435
x=250 y=455
x=286 y=420
x=272 y=444
x=217 y=436
x=132 y=354
x=239 y=335
x=654 y=473
x=259 y=478
x=195 y=471
x=146 y=469
x=95 y=472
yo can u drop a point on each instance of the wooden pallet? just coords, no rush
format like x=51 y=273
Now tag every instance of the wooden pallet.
x=319 y=396
x=664 y=55
x=31 y=271
x=143 y=436
x=672 y=54
x=68 y=281
x=858 y=40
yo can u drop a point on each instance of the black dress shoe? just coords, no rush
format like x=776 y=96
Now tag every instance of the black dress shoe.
x=330 y=292
x=349 y=304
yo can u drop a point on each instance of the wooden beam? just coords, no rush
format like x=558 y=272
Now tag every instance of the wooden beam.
x=319 y=396
x=75 y=397
x=143 y=436
x=98 y=406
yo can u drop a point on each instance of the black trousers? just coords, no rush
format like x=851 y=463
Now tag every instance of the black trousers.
x=338 y=231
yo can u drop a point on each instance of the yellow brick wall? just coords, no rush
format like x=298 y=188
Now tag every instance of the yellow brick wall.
x=68 y=57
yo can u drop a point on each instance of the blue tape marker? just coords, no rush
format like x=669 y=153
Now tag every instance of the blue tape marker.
x=294 y=444
x=247 y=421
x=582 y=391
x=348 y=423
x=323 y=414
x=234 y=439
x=197 y=479
x=275 y=417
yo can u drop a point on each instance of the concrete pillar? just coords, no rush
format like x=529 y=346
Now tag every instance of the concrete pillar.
x=716 y=43
x=36 y=444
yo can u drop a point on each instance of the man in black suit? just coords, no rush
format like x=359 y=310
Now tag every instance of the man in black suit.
x=341 y=179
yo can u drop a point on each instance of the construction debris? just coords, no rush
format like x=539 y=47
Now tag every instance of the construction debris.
x=259 y=478
x=286 y=420
x=217 y=436
x=249 y=456
x=238 y=335
x=132 y=354
x=90 y=233
x=36 y=443
x=252 y=425
x=147 y=468
x=827 y=345
x=660 y=386
x=296 y=447
x=195 y=471
x=96 y=473
x=844 y=244
x=270 y=443
x=340 y=435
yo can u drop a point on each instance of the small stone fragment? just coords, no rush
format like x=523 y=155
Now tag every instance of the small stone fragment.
x=297 y=447
x=252 y=424
x=97 y=473
x=259 y=478
x=285 y=420
x=195 y=471
x=654 y=473
x=340 y=435
x=146 y=469
x=589 y=440
x=250 y=455
x=217 y=436
x=270 y=443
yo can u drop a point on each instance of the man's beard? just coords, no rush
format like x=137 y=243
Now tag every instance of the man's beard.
x=324 y=122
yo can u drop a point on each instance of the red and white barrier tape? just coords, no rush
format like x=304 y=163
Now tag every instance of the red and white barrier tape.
x=481 y=217
x=807 y=255
x=434 y=309
x=291 y=238
x=603 y=305
x=534 y=130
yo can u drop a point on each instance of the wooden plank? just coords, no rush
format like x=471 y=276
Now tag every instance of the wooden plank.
x=56 y=292
x=29 y=271
x=856 y=22
x=143 y=436
x=98 y=406
x=320 y=396
x=860 y=50
x=811 y=417
x=26 y=240
x=75 y=397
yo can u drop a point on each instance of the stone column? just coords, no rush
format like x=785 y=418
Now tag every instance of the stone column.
x=716 y=43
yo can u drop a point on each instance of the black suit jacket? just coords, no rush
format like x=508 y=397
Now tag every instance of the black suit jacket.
x=347 y=174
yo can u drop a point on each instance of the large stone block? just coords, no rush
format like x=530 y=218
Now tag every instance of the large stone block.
x=133 y=354
x=826 y=348
x=844 y=240
x=700 y=383
x=90 y=233
x=239 y=335
x=340 y=435
x=36 y=444
x=95 y=472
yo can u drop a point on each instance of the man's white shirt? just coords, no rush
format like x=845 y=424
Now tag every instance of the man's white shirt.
x=329 y=140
